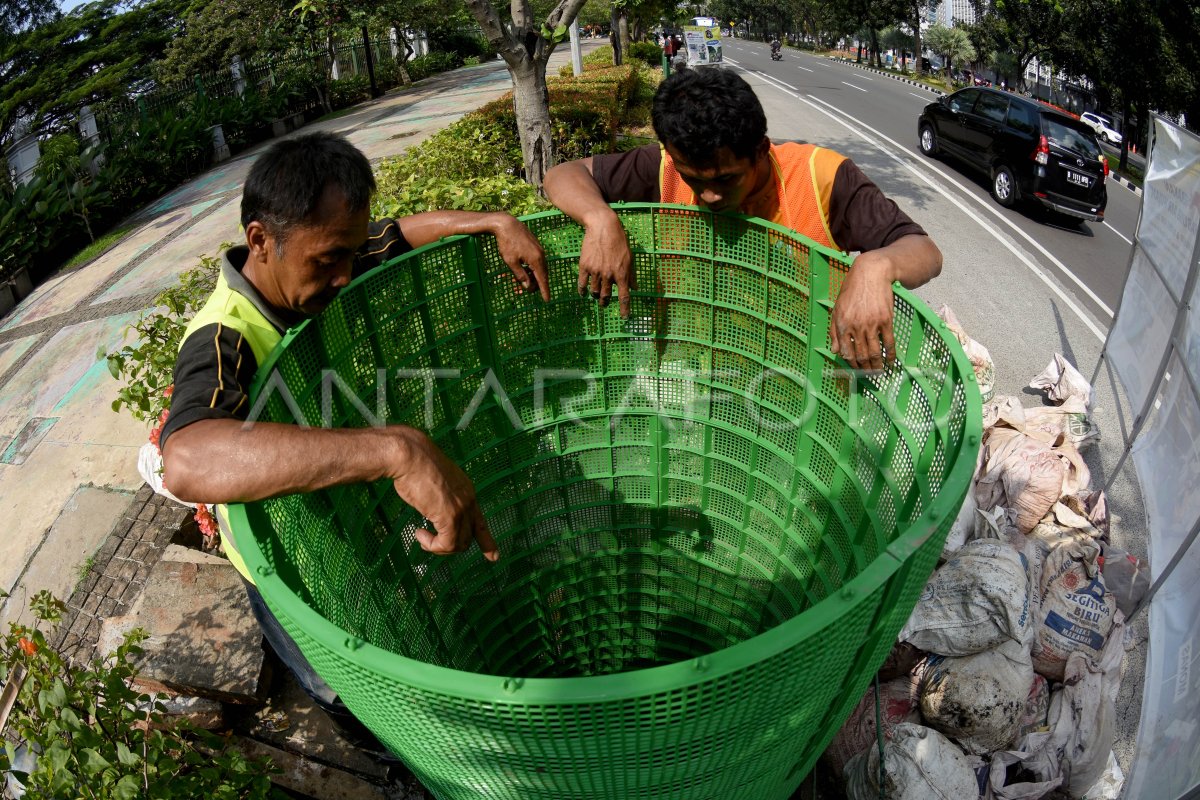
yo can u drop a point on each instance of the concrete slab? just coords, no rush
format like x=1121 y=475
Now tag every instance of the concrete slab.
x=67 y=290
x=61 y=556
x=34 y=494
x=204 y=640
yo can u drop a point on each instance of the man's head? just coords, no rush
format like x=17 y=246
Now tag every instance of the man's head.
x=305 y=208
x=714 y=129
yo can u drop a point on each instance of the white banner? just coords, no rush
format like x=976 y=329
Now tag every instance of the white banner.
x=1168 y=463
x=1167 y=456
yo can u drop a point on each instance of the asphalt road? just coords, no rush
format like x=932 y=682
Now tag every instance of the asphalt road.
x=1088 y=260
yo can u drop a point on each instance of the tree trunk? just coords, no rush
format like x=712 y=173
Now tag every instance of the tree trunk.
x=614 y=37
x=623 y=32
x=402 y=58
x=875 y=49
x=531 y=101
x=1129 y=132
x=917 y=45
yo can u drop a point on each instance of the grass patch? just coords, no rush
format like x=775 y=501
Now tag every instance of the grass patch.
x=1131 y=172
x=96 y=248
x=335 y=114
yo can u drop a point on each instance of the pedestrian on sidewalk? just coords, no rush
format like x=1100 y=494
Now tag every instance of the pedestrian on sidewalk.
x=305 y=210
x=714 y=152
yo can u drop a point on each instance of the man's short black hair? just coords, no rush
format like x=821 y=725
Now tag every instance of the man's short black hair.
x=286 y=182
x=699 y=111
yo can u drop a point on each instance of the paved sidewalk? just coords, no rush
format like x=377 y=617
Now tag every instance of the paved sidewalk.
x=68 y=464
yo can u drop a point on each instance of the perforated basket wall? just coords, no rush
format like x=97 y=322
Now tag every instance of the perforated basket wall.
x=711 y=535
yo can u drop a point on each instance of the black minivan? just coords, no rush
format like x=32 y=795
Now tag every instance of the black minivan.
x=1029 y=150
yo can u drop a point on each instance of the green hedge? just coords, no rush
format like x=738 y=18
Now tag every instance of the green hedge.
x=476 y=164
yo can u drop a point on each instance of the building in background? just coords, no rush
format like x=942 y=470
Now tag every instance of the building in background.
x=952 y=12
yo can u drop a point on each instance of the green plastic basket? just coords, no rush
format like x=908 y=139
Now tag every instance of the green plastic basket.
x=707 y=551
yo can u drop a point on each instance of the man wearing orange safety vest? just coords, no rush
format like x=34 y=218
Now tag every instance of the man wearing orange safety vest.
x=715 y=153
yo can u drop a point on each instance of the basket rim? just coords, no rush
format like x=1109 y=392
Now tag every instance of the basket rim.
x=639 y=683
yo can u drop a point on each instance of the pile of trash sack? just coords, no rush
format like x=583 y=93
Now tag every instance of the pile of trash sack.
x=1004 y=680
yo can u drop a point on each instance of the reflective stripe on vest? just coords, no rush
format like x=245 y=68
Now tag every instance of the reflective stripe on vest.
x=233 y=310
x=804 y=175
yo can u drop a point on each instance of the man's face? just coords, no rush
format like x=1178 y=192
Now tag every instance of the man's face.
x=316 y=259
x=723 y=184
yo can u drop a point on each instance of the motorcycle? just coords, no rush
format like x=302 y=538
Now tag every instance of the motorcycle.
x=776 y=55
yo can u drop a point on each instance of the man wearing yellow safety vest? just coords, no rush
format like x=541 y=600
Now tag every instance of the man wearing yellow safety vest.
x=715 y=153
x=305 y=210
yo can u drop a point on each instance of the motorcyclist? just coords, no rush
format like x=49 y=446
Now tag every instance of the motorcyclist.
x=775 y=45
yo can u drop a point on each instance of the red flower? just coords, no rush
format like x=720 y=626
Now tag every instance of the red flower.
x=206 y=521
x=156 y=431
x=170 y=390
x=27 y=646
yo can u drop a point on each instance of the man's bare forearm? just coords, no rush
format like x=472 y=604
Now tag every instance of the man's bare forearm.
x=227 y=461
x=913 y=260
x=429 y=226
x=572 y=189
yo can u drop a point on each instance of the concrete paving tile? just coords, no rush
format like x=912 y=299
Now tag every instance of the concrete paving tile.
x=63 y=293
x=162 y=269
x=65 y=366
x=11 y=351
x=34 y=493
x=85 y=520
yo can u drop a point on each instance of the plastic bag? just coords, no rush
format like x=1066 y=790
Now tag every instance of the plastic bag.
x=977 y=600
x=919 y=764
x=978 y=700
x=150 y=467
x=1126 y=576
x=1070 y=420
x=1037 y=706
x=1061 y=381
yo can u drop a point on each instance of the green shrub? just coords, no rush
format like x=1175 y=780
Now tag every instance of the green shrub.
x=601 y=56
x=431 y=64
x=648 y=52
x=417 y=193
x=471 y=61
x=59 y=154
x=89 y=733
x=348 y=91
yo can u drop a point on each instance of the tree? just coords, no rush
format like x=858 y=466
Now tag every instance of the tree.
x=897 y=38
x=17 y=16
x=951 y=43
x=87 y=56
x=214 y=32
x=1025 y=28
x=525 y=47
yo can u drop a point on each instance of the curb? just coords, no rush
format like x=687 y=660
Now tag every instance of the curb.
x=909 y=81
x=1128 y=184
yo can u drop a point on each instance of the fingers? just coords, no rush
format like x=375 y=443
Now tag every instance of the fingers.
x=456 y=536
x=483 y=534
x=541 y=276
x=889 y=343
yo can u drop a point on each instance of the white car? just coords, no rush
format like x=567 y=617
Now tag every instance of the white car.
x=1102 y=124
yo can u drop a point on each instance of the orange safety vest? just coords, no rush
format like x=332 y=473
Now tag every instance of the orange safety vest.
x=804 y=175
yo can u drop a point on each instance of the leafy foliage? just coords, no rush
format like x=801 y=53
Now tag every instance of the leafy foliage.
x=648 y=52
x=145 y=366
x=89 y=733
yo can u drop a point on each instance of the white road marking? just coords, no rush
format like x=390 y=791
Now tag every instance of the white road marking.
x=806 y=69
x=918 y=96
x=863 y=77
x=1117 y=232
x=793 y=88
x=1005 y=241
x=852 y=86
